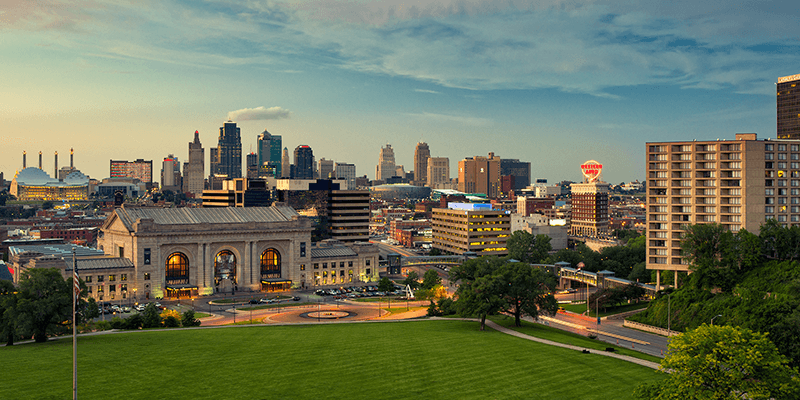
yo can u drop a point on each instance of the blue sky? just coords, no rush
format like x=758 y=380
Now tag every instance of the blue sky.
x=552 y=82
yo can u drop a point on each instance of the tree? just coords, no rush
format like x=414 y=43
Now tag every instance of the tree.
x=723 y=362
x=8 y=314
x=45 y=303
x=527 y=290
x=435 y=252
x=718 y=257
x=385 y=285
x=480 y=291
x=151 y=316
x=188 y=319
x=525 y=247
x=412 y=280
x=430 y=279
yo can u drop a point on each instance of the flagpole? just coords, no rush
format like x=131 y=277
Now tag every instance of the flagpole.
x=75 y=294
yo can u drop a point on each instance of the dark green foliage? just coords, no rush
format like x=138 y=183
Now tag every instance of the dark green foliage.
x=615 y=296
x=435 y=252
x=412 y=280
x=524 y=247
x=117 y=323
x=622 y=260
x=151 y=316
x=188 y=319
x=385 y=285
x=47 y=205
x=430 y=279
x=171 y=322
x=627 y=234
x=135 y=321
x=8 y=312
x=44 y=303
x=445 y=306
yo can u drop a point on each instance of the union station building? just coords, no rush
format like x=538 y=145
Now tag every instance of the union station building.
x=183 y=252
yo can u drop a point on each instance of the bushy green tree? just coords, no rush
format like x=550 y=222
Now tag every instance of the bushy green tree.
x=523 y=246
x=723 y=362
x=135 y=321
x=385 y=285
x=412 y=280
x=430 y=279
x=44 y=304
x=188 y=319
x=8 y=312
x=527 y=290
x=171 y=322
x=151 y=316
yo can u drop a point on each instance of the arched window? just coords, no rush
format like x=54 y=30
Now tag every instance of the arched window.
x=225 y=265
x=270 y=264
x=177 y=269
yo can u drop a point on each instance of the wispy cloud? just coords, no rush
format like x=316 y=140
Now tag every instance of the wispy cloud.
x=426 y=91
x=474 y=121
x=259 y=113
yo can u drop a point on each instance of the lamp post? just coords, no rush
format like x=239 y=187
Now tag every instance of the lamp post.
x=597 y=307
x=712 y=319
x=669 y=315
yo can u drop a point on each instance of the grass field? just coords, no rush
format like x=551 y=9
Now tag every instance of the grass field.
x=401 y=360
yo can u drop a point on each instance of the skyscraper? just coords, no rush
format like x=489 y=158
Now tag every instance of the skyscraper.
x=325 y=168
x=346 y=171
x=252 y=165
x=286 y=169
x=171 y=173
x=421 y=155
x=303 y=163
x=386 y=168
x=788 y=107
x=226 y=159
x=520 y=170
x=480 y=175
x=194 y=170
x=269 y=154
x=438 y=172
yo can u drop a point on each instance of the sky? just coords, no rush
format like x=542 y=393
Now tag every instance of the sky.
x=552 y=82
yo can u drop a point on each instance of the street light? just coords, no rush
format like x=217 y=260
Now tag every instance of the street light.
x=712 y=319
x=597 y=308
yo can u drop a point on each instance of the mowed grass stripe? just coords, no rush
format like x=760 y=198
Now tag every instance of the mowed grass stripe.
x=400 y=360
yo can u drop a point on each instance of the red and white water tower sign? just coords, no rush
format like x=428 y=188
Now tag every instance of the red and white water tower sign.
x=591 y=170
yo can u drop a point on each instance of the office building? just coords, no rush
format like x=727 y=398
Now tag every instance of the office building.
x=252 y=165
x=339 y=214
x=303 y=167
x=520 y=170
x=589 y=215
x=737 y=183
x=421 y=155
x=325 y=169
x=348 y=215
x=470 y=227
x=286 y=169
x=386 y=167
x=270 y=162
x=171 y=174
x=438 y=172
x=139 y=169
x=194 y=170
x=788 y=107
x=241 y=192
x=226 y=158
x=346 y=171
x=480 y=175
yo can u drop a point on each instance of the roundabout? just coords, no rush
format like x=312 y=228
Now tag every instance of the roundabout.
x=328 y=314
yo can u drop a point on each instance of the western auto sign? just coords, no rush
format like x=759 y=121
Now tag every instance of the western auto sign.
x=591 y=170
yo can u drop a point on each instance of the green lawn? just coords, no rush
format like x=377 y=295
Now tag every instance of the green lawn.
x=557 y=335
x=399 y=360
x=199 y=315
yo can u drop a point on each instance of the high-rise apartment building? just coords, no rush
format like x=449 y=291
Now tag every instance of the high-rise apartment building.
x=520 y=170
x=252 y=165
x=139 y=169
x=194 y=170
x=226 y=158
x=788 y=107
x=303 y=167
x=269 y=154
x=438 y=172
x=325 y=168
x=589 y=203
x=480 y=175
x=421 y=155
x=386 y=167
x=470 y=227
x=737 y=183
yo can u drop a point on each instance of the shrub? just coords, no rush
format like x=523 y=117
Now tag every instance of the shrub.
x=135 y=321
x=117 y=323
x=188 y=319
x=171 y=322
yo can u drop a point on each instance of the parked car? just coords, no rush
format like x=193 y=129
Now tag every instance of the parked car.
x=295 y=298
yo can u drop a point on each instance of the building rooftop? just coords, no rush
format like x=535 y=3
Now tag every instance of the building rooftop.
x=56 y=250
x=191 y=216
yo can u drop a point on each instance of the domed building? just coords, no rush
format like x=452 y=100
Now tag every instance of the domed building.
x=399 y=191
x=34 y=184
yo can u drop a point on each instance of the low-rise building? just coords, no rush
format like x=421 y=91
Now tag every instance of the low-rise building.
x=469 y=227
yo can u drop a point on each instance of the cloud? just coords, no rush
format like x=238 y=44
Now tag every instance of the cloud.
x=259 y=114
x=474 y=121
x=426 y=91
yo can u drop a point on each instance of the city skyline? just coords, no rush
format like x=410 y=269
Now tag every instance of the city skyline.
x=546 y=82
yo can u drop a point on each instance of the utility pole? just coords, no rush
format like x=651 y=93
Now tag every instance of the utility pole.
x=76 y=291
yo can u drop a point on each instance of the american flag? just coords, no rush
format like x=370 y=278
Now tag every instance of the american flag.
x=75 y=282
